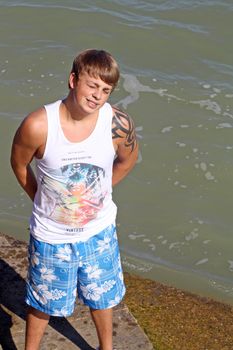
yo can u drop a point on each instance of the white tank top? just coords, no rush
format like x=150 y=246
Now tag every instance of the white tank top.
x=74 y=197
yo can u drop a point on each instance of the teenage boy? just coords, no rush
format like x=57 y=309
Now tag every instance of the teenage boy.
x=82 y=146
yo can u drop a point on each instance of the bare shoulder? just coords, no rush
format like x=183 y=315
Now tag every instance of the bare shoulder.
x=33 y=128
x=35 y=121
x=30 y=138
x=123 y=130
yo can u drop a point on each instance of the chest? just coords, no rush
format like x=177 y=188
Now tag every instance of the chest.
x=78 y=131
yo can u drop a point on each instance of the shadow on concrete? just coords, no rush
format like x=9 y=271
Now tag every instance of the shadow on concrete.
x=12 y=291
x=6 y=340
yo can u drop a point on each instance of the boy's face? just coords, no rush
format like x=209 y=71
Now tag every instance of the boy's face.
x=90 y=93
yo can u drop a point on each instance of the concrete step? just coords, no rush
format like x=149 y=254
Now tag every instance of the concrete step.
x=75 y=332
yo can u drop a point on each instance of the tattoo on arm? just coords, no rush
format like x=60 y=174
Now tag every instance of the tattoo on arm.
x=123 y=127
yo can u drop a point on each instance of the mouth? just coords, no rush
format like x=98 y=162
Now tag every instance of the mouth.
x=92 y=104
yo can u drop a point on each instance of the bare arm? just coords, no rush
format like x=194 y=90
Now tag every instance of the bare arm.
x=126 y=145
x=28 y=142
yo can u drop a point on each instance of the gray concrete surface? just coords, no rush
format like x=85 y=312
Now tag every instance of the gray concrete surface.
x=75 y=332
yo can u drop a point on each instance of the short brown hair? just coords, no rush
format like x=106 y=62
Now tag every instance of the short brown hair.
x=97 y=63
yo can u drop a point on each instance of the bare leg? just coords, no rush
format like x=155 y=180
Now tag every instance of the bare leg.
x=35 y=326
x=103 y=324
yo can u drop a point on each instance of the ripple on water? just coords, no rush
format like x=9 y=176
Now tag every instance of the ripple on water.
x=202 y=261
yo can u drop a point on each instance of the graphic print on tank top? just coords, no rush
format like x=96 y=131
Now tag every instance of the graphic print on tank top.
x=76 y=199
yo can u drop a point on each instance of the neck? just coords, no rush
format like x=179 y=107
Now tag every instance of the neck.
x=74 y=111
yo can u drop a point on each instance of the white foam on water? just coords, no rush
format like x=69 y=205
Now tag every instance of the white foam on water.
x=134 y=236
x=184 y=186
x=230 y=265
x=226 y=114
x=152 y=246
x=163 y=92
x=219 y=286
x=209 y=105
x=206 y=86
x=181 y=144
x=142 y=268
x=202 y=261
x=206 y=241
x=139 y=160
x=229 y=95
x=224 y=126
x=138 y=129
x=167 y=129
x=132 y=85
x=209 y=176
x=175 y=245
x=203 y=166
x=191 y=236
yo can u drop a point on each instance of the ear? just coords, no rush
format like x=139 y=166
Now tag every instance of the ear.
x=72 y=81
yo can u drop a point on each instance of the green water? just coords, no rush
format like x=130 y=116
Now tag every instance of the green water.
x=175 y=209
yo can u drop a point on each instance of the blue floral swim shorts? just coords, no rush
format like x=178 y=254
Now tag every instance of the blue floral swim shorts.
x=57 y=272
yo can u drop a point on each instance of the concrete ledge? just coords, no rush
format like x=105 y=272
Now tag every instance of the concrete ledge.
x=75 y=332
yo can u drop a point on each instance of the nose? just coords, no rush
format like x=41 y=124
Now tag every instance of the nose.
x=97 y=94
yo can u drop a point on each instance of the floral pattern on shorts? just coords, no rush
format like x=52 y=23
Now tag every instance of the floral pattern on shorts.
x=57 y=272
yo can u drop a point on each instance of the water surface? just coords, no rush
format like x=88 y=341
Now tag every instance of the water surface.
x=175 y=209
